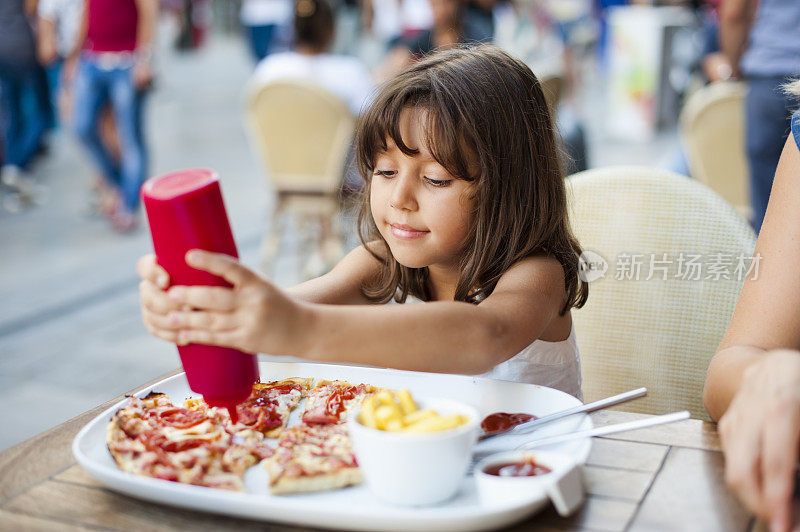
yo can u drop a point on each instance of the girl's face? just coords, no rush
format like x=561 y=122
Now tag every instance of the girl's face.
x=422 y=211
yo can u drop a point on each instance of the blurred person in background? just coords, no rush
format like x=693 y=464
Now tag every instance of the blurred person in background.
x=22 y=126
x=59 y=23
x=310 y=60
x=393 y=20
x=535 y=34
x=714 y=63
x=265 y=21
x=314 y=31
x=448 y=30
x=762 y=41
x=479 y=19
x=114 y=50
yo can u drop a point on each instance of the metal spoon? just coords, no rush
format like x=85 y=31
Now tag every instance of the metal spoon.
x=524 y=428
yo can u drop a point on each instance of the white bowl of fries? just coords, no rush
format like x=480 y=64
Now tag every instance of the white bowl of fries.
x=413 y=454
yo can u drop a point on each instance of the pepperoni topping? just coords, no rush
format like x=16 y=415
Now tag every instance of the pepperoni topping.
x=260 y=411
x=330 y=403
x=158 y=443
x=181 y=418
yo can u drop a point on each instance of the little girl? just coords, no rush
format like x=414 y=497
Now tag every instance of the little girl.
x=464 y=209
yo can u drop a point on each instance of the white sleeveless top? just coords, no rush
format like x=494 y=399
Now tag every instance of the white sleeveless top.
x=552 y=364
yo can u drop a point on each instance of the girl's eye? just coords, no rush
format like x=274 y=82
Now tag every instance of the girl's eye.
x=385 y=173
x=438 y=182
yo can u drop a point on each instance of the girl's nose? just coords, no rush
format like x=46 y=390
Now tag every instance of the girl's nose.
x=403 y=197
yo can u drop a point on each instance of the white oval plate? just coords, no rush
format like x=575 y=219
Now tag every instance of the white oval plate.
x=353 y=508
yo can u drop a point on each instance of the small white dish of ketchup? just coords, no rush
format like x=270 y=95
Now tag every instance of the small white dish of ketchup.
x=515 y=476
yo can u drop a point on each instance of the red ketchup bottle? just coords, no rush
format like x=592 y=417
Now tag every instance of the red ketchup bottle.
x=185 y=211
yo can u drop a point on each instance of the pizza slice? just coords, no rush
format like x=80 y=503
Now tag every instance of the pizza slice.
x=329 y=401
x=154 y=438
x=312 y=457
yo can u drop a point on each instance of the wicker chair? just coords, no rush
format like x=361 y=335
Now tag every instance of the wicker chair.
x=654 y=332
x=303 y=134
x=553 y=89
x=712 y=127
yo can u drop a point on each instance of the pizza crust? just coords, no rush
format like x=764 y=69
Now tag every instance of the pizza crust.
x=328 y=481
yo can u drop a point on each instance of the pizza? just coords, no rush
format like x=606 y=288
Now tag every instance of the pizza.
x=268 y=408
x=201 y=445
x=329 y=401
x=312 y=457
x=155 y=438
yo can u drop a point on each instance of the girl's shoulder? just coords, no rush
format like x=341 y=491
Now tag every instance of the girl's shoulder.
x=536 y=267
x=362 y=265
x=540 y=277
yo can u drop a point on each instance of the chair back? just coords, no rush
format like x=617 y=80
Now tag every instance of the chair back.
x=553 y=89
x=659 y=328
x=303 y=134
x=712 y=128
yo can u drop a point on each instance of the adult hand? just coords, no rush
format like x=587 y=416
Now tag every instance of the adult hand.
x=760 y=436
x=142 y=75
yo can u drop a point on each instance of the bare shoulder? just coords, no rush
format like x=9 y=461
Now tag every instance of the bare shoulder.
x=528 y=299
x=342 y=285
x=540 y=273
x=532 y=285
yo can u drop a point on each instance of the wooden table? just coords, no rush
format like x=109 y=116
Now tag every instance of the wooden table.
x=662 y=478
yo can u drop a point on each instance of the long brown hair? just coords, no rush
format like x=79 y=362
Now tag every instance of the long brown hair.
x=485 y=112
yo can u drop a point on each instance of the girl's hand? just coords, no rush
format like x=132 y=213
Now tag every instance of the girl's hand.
x=760 y=436
x=156 y=304
x=253 y=316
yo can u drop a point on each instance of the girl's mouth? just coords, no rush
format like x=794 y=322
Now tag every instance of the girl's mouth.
x=406 y=232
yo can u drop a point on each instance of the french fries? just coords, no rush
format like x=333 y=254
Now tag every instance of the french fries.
x=397 y=412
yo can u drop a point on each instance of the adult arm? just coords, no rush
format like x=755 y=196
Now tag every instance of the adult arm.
x=147 y=11
x=753 y=382
x=767 y=315
x=735 y=20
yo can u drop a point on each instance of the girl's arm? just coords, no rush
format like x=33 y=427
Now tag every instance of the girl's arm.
x=342 y=285
x=451 y=337
x=767 y=315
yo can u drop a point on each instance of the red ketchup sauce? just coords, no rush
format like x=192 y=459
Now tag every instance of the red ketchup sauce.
x=524 y=468
x=500 y=421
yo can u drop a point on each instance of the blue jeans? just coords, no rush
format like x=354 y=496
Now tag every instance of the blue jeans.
x=262 y=40
x=22 y=129
x=93 y=86
x=768 y=111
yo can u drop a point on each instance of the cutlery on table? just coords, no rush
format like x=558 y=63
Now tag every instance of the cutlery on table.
x=528 y=426
x=597 y=431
